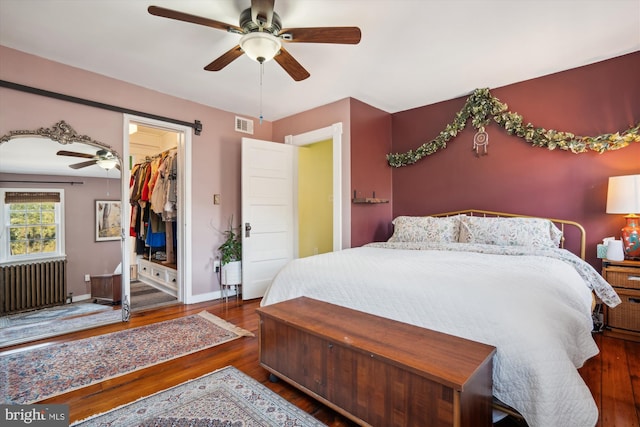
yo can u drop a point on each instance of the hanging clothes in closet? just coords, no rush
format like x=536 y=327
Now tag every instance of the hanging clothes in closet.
x=153 y=197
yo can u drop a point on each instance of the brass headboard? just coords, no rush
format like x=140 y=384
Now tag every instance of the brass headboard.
x=560 y=223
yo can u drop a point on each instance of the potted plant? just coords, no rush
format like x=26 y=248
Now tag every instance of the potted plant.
x=231 y=256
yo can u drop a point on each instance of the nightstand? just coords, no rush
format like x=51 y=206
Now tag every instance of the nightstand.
x=623 y=321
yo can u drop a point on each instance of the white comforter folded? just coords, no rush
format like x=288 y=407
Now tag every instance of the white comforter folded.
x=535 y=310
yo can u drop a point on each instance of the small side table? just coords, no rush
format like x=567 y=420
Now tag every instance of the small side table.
x=107 y=287
x=623 y=321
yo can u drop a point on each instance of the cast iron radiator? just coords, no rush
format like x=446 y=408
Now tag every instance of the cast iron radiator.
x=30 y=286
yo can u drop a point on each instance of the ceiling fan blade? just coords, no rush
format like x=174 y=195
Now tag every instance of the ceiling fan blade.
x=181 y=16
x=74 y=154
x=291 y=66
x=262 y=12
x=225 y=59
x=83 y=164
x=338 y=35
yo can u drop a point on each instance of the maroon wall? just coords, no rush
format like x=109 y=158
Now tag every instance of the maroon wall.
x=515 y=176
x=370 y=142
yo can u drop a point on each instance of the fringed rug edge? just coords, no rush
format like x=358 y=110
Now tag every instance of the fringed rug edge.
x=224 y=324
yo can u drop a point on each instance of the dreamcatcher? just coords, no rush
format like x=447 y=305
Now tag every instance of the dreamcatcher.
x=480 y=142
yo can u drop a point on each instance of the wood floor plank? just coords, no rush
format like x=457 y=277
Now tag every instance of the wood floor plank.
x=612 y=376
x=632 y=350
x=591 y=372
x=618 y=407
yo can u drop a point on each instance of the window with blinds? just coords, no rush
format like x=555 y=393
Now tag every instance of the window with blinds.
x=33 y=224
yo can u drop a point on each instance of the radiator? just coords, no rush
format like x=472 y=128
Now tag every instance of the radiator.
x=30 y=286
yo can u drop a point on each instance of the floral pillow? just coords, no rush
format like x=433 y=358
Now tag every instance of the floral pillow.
x=556 y=235
x=425 y=229
x=533 y=232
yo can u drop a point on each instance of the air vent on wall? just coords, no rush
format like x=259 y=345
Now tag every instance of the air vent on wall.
x=244 y=125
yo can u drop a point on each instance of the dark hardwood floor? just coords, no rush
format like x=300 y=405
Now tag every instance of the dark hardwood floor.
x=613 y=376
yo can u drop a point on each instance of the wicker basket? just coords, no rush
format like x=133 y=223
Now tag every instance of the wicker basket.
x=624 y=278
x=627 y=314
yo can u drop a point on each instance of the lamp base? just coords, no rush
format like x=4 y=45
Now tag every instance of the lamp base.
x=631 y=237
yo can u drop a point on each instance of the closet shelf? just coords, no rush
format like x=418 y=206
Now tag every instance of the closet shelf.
x=158 y=275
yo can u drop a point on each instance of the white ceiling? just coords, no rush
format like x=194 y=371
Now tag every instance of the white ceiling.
x=412 y=53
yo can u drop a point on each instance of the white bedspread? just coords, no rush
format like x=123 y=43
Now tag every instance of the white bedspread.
x=535 y=310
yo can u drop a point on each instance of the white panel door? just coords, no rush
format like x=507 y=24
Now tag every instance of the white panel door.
x=267 y=209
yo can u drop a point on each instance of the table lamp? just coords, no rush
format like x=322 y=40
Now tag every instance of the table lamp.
x=623 y=197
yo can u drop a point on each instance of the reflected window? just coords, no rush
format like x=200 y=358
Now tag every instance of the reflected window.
x=32 y=224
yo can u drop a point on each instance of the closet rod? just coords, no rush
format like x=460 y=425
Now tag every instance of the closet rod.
x=196 y=125
x=147 y=159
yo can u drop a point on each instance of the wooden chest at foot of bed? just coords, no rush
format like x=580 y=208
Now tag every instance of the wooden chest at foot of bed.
x=377 y=371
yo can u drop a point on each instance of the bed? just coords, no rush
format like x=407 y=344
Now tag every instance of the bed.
x=500 y=279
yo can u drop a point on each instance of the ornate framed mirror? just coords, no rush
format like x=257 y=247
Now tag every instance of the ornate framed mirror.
x=49 y=253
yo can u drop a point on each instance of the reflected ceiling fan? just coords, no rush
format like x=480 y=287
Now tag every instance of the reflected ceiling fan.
x=103 y=158
x=262 y=36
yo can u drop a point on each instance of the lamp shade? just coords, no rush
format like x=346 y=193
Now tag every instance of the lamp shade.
x=623 y=197
x=260 y=46
x=623 y=194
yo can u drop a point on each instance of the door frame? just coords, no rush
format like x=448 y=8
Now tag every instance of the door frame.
x=333 y=132
x=183 y=258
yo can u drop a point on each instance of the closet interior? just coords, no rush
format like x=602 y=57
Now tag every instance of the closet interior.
x=153 y=197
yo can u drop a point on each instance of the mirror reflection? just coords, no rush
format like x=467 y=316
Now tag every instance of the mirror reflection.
x=61 y=234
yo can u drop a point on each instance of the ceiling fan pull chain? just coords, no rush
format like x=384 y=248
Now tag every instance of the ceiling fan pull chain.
x=261 y=74
x=108 y=192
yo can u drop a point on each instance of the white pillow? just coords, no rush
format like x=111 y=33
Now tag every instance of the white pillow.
x=425 y=229
x=533 y=232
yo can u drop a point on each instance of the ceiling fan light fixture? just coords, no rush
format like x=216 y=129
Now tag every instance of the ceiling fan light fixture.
x=107 y=164
x=260 y=46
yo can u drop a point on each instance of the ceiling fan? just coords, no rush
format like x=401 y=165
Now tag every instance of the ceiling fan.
x=262 y=36
x=103 y=158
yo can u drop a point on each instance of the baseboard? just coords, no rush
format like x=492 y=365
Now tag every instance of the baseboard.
x=209 y=296
x=78 y=298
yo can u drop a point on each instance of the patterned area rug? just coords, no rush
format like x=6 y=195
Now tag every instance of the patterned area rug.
x=31 y=331
x=51 y=313
x=226 y=397
x=35 y=374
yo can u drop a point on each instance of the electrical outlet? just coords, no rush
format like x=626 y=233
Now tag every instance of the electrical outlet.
x=216 y=199
x=87 y=277
x=216 y=265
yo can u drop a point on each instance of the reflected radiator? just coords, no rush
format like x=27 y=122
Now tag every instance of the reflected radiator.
x=30 y=286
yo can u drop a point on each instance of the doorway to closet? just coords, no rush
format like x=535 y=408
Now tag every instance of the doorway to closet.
x=154 y=232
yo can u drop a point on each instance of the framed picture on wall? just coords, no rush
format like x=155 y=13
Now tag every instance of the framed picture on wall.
x=108 y=220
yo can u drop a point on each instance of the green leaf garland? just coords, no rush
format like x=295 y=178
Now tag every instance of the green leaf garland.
x=481 y=107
